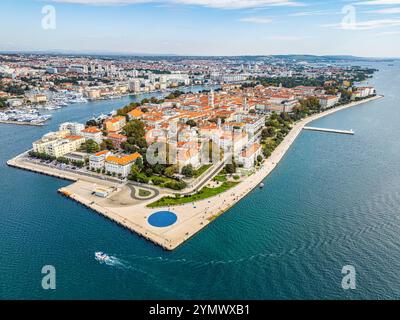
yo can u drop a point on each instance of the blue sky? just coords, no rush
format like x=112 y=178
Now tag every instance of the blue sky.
x=205 y=27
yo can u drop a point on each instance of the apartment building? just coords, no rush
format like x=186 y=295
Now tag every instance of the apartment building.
x=97 y=161
x=117 y=139
x=93 y=133
x=328 y=101
x=56 y=146
x=120 y=166
x=74 y=128
x=115 y=124
x=248 y=157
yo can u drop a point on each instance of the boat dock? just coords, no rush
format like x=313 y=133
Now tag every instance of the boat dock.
x=23 y=123
x=351 y=132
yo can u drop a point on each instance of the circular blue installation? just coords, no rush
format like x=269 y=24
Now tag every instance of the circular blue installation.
x=162 y=219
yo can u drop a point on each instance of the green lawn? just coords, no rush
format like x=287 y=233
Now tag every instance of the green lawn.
x=220 y=178
x=201 y=195
x=144 y=193
x=200 y=171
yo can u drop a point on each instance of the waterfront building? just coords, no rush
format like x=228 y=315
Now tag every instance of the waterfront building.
x=117 y=139
x=328 y=101
x=93 y=133
x=115 y=124
x=135 y=114
x=188 y=155
x=248 y=157
x=233 y=141
x=38 y=98
x=97 y=161
x=120 y=166
x=41 y=144
x=363 y=92
x=252 y=123
x=76 y=156
x=134 y=85
x=74 y=128
x=93 y=94
x=58 y=146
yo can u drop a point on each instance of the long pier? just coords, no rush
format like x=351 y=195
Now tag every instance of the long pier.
x=23 y=123
x=351 y=132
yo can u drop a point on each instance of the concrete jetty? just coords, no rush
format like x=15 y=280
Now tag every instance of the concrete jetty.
x=23 y=123
x=351 y=132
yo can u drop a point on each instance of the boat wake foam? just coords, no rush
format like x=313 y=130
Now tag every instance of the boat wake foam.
x=110 y=261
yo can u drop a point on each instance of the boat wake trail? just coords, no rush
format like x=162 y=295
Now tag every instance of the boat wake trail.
x=110 y=260
x=113 y=261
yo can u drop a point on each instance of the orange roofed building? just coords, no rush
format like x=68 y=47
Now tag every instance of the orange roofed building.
x=115 y=124
x=121 y=166
x=93 y=133
x=117 y=139
x=135 y=114
x=248 y=157
x=97 y=161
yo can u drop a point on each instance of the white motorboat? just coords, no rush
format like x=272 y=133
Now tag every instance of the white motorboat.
x=102 y=257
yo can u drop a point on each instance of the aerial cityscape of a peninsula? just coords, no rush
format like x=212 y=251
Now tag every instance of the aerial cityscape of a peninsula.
x=186 y=150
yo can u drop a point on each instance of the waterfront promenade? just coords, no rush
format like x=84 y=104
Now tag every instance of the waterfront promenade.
x=192 y=217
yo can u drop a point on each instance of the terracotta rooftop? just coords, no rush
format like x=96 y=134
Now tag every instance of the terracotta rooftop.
x=123 y=161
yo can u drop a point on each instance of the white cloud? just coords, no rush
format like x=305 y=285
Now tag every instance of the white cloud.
x=366 y=25
x=312 y=13
x=222 y=4
x=257 y=20
x=378 y=2
x=385 y=11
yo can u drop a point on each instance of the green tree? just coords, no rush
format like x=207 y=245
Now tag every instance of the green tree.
x=158 y=168
x=63 y=160
x=91 y=146
x=267 y=152
x=191 y=123
x=230 y=168
x=188 y=171
x=107 y=144
x=267 y=132
x=170 y=171
x=286 y=117
x=125 y=110
x=139 y=164
x=135 y=129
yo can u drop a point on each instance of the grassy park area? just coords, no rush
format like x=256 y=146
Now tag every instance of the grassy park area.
x=204 y=193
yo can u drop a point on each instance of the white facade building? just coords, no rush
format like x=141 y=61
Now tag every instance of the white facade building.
x=93 y=133
x=98 y=160
x=248 y=157
x=73 y=127
x=120 y=166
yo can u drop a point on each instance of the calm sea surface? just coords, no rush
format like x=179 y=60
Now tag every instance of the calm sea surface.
x=333 y=201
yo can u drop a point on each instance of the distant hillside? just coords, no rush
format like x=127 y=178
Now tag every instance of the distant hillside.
x=312 y=58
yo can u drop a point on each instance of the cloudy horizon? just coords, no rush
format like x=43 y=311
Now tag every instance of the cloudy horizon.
x=368 y=28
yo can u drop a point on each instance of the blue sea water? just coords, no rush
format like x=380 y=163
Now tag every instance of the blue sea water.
x=333 y=201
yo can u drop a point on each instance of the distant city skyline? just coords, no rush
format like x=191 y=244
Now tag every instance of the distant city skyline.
x=368 y=28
